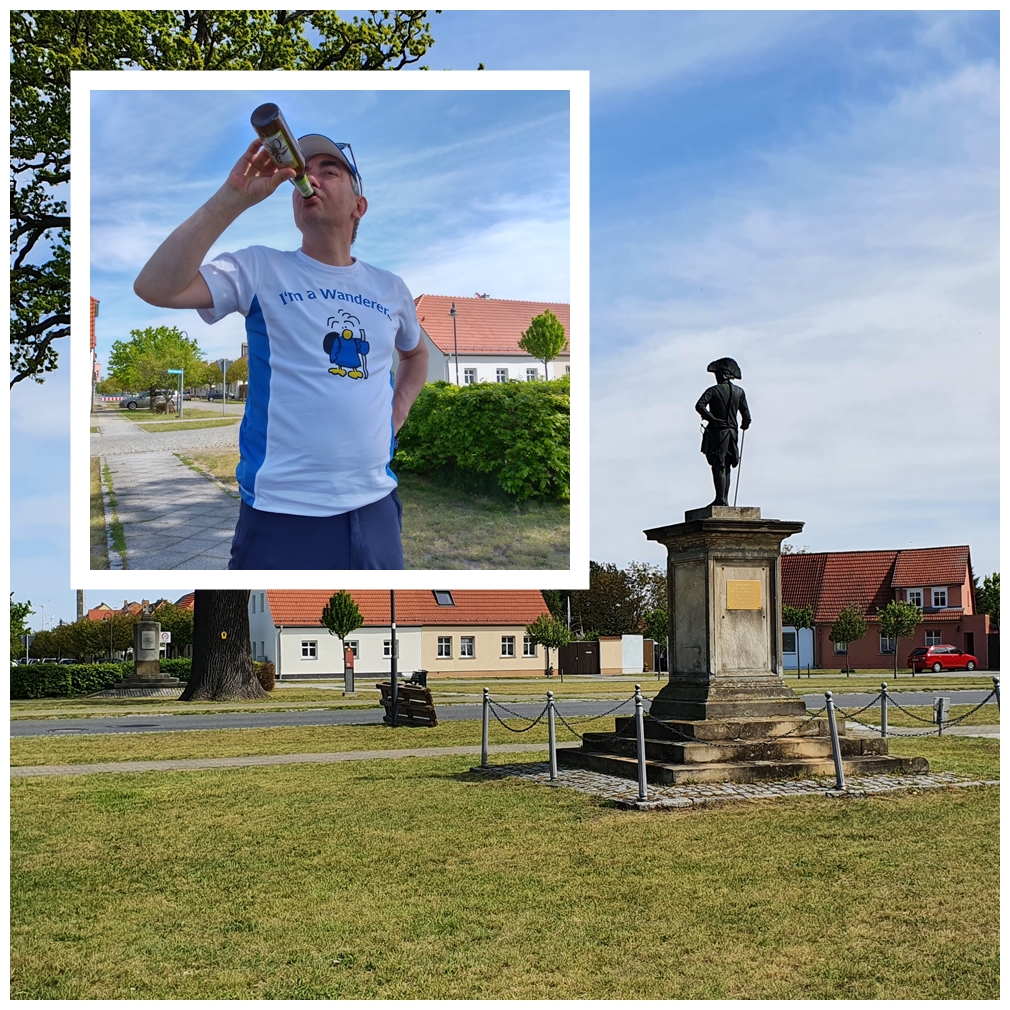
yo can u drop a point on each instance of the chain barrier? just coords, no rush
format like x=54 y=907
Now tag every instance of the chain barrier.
x=902 y=731
x=566 y=724
x=961 y=718
x=858 y=711
x=493 y=705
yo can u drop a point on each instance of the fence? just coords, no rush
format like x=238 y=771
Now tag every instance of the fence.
x=830 y=709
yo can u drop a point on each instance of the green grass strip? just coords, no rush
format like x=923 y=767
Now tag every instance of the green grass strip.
x=188 y=425
x=115 y=526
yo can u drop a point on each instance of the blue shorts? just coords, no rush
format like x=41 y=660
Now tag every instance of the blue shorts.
x=368 y=537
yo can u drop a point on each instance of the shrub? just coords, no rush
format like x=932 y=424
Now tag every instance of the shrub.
x=180 y=667
x=52 y=680
x=265 y=674
x=517 y=431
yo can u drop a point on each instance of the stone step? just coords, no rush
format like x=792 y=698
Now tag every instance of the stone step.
x=665 y=773
x=699 y=752
x=728 y=729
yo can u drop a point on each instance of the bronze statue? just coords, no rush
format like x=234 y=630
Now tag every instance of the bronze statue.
x=719 y=406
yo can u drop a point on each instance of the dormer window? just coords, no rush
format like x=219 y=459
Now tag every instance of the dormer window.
x=914 y=596
x=939 y=594
x=444 y=598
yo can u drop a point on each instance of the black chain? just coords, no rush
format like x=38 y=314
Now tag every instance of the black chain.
x=493 y=705
x=602 y=715
x=565 y=723
x=850 y=715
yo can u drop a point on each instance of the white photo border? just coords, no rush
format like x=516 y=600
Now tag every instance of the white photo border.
x=576 y=82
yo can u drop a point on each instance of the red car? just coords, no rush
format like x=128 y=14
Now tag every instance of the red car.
x=940 y=657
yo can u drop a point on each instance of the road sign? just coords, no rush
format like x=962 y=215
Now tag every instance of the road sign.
x=174 y=371
x=166 y=637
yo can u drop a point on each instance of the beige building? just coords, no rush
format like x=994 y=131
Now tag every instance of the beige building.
x=449 y=633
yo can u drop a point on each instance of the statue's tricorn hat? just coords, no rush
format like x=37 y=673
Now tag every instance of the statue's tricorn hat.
x=727 y=365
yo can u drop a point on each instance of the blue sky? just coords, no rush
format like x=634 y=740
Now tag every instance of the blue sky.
x=815 y=194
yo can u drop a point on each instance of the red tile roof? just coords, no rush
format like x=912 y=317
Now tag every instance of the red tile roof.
x=186 y=602
x=933 y=566
x=484 y=325
x=302 y=607
x=830 y=581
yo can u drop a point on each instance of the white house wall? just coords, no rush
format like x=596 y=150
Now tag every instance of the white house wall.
x=329 y=658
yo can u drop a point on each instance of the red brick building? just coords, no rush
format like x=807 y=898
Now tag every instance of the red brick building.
x=937 y=579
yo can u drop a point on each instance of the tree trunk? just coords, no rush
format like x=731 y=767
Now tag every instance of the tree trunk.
x=222 y=653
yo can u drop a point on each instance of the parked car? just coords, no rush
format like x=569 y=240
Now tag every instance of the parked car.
x=940 y=657
x=142 y=401
x=215 y=394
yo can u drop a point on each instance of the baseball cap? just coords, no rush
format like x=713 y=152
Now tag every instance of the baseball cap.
x=316 y=143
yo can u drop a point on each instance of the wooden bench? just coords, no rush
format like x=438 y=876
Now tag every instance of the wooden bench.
x=414 y=704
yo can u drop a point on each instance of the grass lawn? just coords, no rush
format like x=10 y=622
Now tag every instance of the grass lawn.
x=221 y=422
x=418 y=879
x=99 y=545
x=448 y=529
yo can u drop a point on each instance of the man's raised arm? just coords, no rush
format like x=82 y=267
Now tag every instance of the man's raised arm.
x=171 y=278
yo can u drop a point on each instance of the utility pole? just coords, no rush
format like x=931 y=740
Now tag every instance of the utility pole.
x=80 y=604
x=392 y=651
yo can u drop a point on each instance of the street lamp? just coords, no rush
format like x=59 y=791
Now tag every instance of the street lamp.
x=455 y=348
x=223 y=364
x=108 y=617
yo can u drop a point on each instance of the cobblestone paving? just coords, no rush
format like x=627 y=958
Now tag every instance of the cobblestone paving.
x=624 y=792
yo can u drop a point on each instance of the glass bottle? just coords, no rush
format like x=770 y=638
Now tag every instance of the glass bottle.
x=279 y=142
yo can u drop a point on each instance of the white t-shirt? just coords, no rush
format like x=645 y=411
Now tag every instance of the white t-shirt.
x=317 y=436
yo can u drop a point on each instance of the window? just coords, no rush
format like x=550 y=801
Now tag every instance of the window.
x=932 y=638
x=444 y=598
x=940 y=597
x=353 y=646
x=263 y=603
x=529 y=646
x=501 y=375
x=445 y=647
x=466 y=647
x=532 y=375
x=887 y=644
x=386 y=649
x=914 y=596
x=841 y=648
x=508 y=645
x=252 y=600
x=309 y=650
x=469 y=376
x=568 y=369
x=789 y=641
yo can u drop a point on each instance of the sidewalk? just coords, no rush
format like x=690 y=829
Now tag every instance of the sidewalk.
x=172 y=517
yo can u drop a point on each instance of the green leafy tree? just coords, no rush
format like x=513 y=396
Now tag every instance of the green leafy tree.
x=551 y=633
x=20 y=612
x=238 y=370
x=798 y=618
x=111 y=386
x=143 y=361
x=341 y=615
x=899 y=620
x=46 y=45
x=545 y=338
x=987 y=597
x=178 y=621
x=849 y=627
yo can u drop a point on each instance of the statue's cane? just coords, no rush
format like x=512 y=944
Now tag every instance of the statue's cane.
x=739 y=464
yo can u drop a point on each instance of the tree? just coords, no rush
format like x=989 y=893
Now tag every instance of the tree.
x=551 y=633
x=849 y=627
x=544 y=338
x=20 y=612
x=987 y=597
x=111 y=386
x=799 y=618
x=46 y=45
x=899 y=620
x=143 y=361
x=238 y=370
x=341 y=615
x=178 y=621
x=222 y=667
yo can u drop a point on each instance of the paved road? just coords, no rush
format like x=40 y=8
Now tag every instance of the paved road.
x=264 y=720
x=119 y=436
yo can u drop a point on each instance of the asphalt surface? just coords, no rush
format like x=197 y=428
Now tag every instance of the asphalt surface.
x=264 y=720
x=371 y=716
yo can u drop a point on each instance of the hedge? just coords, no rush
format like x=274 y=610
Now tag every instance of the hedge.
x=53 y=680
x=517 y=431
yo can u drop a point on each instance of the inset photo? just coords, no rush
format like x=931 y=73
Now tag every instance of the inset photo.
x=338 y=323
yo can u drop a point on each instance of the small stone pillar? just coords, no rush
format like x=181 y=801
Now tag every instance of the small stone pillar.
x=147 y=650
x=725 y=602
x=348 y=672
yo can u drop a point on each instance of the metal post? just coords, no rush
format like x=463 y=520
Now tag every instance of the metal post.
x=941 y=709
x=455 y=348
x=883 y=710
x=484 y=728
x=643 y=790
x=394 y=683
x=551 y=745
x=836 y=748
x=995 y=687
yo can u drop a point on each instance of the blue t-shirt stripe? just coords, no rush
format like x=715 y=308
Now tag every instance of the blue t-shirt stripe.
x=252 y=434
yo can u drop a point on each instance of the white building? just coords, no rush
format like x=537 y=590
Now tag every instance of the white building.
x=487 y=337
x=461 y=633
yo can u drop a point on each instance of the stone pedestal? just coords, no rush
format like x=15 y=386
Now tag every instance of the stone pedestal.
x=146 y=661
x=726 y=713
x=725 y=600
